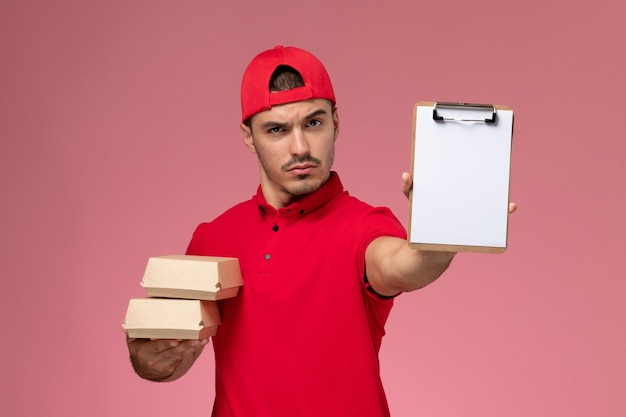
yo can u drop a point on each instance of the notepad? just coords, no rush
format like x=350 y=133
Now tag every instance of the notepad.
x=461 y=167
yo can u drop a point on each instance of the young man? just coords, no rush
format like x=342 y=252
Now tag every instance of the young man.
x=320 y=267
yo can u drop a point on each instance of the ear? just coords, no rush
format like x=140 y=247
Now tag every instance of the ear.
x=248 y=139
x=336 y=121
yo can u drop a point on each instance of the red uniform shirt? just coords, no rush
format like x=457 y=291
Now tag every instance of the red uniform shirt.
x=302 y=336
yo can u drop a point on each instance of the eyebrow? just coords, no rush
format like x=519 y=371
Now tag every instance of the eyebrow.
x=310 y=116
x=316 y=113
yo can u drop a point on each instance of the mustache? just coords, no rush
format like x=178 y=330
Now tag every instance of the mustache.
x=299 y=160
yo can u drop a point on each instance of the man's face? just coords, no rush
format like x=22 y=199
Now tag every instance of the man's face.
x=295 y=145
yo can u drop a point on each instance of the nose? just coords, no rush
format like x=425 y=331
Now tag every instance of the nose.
x=299 y=143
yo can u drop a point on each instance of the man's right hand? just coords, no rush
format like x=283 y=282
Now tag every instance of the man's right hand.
x=163 y=359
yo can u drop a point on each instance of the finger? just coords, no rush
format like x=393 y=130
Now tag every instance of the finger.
x=161 y=345
x=407 y=183
x=184 y=348
x=512 y=207
x=152 y=346
x=190 y=347
x=154 y=366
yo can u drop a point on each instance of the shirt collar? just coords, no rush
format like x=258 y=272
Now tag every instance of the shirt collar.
x=329 y=190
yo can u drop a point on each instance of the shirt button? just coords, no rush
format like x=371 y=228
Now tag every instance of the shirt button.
x=275 y=228
x=267 y=256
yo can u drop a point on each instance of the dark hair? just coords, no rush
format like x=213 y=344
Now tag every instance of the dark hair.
x=284 y=78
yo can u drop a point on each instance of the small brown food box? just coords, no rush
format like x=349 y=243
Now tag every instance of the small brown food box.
x=171 y=318
x=182 y=292
x=192 y=277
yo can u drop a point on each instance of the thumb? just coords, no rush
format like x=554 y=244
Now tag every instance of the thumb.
x=407 y=183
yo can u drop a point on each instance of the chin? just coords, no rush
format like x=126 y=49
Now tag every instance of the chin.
x=306 y=184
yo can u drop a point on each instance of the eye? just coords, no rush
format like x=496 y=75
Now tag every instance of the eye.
x=275 y=129
x=315 y=123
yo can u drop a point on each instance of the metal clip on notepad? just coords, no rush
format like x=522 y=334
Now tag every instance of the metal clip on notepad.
x=464 y=106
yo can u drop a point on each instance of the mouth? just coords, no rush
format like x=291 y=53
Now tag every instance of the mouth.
x=301 y=169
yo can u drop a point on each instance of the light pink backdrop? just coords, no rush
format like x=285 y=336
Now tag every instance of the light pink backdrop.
x=119 y=133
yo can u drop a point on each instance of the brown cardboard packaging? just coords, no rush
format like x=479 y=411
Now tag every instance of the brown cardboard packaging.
x=192 y=277
x=166 y=318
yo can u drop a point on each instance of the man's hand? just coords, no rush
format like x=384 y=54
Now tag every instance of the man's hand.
x=407 y=185
x=163 y=359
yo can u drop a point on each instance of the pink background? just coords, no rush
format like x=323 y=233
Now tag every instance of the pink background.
x=119 y=133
